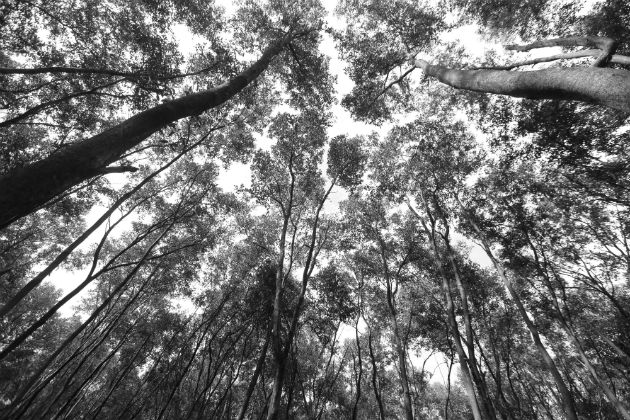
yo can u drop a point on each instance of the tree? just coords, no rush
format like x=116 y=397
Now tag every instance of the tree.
x=468 y=258
x=377 y=70
x=597 y=84
x=25 y=189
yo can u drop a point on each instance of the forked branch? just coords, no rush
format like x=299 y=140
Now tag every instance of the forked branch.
x=605 y=44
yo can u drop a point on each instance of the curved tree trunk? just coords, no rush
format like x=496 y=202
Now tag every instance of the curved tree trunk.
x=24 y=190
x=604 y=86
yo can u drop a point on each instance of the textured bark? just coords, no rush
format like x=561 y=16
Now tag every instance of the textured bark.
x=603 y=86
x=26 y=189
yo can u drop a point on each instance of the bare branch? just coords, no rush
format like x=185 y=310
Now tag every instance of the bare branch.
x=617 y=59
x=605 y=44
x=573 y=41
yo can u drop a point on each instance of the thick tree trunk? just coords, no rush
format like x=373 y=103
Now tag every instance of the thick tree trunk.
x=26 y=189
x=604 y=86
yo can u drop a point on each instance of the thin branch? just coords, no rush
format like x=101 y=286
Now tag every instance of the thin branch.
x=605 y=44
x=36 y=109
x=617 y=59
x=395 y=82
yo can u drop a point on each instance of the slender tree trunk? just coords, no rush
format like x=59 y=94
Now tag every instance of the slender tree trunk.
x=448 y=386
x=36 y=281
x=276 y=339
x=610 y=395
x=604 y=86
x=566 y=397
x=470 y=343
x=355 y=407
x=276 y=391
x=464 y=362
x=282 y=352
x=404 y=377
x=25 y=189
x=377 y=393
x=399 y=345
x=254 y=380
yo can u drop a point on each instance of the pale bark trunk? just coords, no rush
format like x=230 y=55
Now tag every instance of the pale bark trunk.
x=479 y=410
x=24 y=190
x=470 y=344
x=566 y=398
x=603 y=86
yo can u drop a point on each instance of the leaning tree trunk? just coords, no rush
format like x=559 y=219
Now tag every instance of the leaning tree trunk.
x=604 y=86
x=25 y=189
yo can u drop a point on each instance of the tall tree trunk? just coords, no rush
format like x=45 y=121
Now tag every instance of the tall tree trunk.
x=479 y=411
x=359 y=362
x=566 y=398
x=377 y=393
x=470 y=343
x=404 y=377
x=282 y=352
x=542 y=271
x=276 y=391
x=399 y=344
x=604 y=86
x=25 y=189
x=254 y=380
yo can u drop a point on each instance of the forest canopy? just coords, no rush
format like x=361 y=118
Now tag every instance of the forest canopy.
x=280 y=209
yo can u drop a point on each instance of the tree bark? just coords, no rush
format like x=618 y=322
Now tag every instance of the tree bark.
x=567 y=401
x=25 y=189
x=603 y=86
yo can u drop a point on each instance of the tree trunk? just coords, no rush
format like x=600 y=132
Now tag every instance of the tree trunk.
x=404 y=377
x=604 y=86
x=254 y=380
x=377 y=394
x=470 y=343
x=566 y=398
x=24 y=190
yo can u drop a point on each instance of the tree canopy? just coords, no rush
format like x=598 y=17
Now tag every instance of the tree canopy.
x=282 y=209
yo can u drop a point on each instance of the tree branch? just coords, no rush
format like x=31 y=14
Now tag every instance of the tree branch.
x=605 y=44
x=389 y=86
x=617 y=59
x=118 y=169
